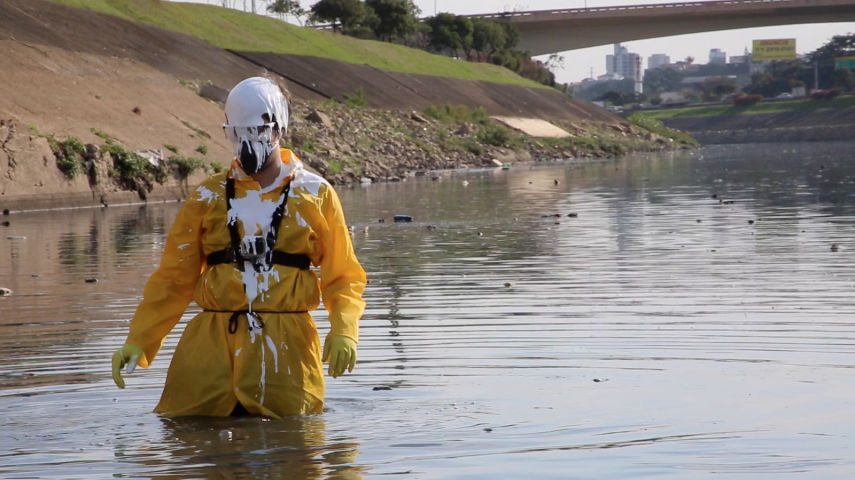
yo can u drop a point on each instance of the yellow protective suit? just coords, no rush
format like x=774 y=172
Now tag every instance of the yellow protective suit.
x=272 y=371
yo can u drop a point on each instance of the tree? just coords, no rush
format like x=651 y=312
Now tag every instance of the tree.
x=823 y=57
x=396 y=18
x=715 y=88
x=487 y=37
x=287 y=7
x=512 y=34
x=450 y=33
x=614 y=97
x=658 y=80
x=344 y=13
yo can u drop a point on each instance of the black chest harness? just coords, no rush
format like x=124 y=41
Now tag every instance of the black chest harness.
x=257 y=250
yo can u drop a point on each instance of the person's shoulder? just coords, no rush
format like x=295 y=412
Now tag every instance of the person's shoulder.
x=309 y=182
x=210 y=190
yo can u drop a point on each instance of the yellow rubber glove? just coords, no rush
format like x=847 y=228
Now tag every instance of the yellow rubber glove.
x=127 y=355
x=340 y=352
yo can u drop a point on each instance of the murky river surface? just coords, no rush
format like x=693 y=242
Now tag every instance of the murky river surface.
x=658 y=332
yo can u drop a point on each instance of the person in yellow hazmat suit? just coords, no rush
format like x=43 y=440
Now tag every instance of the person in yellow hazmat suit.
x=241 y=247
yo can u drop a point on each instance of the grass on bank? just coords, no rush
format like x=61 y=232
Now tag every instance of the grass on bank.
x=845 y=101
x=236 y=30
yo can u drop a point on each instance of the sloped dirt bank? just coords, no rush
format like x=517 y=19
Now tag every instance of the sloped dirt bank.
x=71 y=75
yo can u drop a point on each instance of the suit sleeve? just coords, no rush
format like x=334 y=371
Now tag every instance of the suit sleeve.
x=170 y=289
x=342 y=277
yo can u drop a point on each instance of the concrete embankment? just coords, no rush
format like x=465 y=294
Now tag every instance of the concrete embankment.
x=792 y=126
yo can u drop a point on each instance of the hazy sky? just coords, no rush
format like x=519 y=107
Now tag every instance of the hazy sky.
x=579 y=64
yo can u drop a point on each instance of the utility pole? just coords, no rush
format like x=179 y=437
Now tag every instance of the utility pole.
x=253 y=6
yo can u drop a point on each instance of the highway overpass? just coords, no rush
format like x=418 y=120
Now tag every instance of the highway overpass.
x=550 y=31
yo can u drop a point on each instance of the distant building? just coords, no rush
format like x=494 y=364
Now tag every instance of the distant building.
x=626 y=64
x=717 y=57
x=657 y=60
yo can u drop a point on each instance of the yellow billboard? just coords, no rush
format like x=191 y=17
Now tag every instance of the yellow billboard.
x=780 y=49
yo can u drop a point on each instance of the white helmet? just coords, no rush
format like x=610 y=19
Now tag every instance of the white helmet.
x=254 y=108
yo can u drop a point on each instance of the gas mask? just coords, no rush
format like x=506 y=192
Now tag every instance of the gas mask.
x=255 y=108
x=252 y=145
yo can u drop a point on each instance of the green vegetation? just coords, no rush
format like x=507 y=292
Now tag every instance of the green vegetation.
x=203 y=149
x=103 y=136
x=845 y=101
x=172 y=148
x=186 y=165
x=226 y=28
x=448 y=114
x=217 y=167
x=657 y=127
x=335 y=166
x=131 y=170
x=196 y=130
x=357 y=100
x=70 y=153
x=495 y=135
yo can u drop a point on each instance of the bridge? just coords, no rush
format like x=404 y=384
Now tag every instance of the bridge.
x=550 y=31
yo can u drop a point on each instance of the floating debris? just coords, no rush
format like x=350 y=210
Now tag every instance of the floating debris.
x=382 y=220
x=381 y=388
x=6 y=211
x=5 y=292
x=750 y=222
x=573 y=215
x=91 y=280
x=431 y=227
x=5 y=223
x=508 y=285
x=465 y=183
x=556 y=181
x=835 y=247
x=16 y=237
x=403 y=218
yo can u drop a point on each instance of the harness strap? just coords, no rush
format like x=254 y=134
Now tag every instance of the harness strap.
x=275 y=257
x=255 y=320
x=229 y=255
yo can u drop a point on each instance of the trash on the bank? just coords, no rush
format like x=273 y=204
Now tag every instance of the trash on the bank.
x=403 y=218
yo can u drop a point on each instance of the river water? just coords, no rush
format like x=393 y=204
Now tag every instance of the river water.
x=598 y=320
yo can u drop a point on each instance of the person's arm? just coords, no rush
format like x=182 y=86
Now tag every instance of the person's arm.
x=342 y=283
x=170 y=289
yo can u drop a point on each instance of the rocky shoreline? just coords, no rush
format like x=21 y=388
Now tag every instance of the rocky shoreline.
x=346 y=145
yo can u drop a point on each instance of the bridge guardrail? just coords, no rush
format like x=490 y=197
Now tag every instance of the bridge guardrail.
x=572 y=11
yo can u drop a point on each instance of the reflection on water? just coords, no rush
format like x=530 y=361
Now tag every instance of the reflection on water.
x=683 y=315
